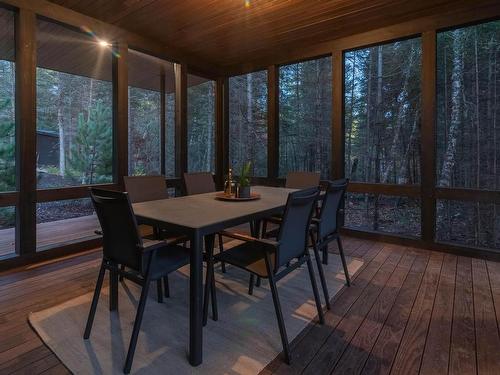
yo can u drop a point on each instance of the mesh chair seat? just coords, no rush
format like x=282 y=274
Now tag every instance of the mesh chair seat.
x=166 y=260
x=249 y=256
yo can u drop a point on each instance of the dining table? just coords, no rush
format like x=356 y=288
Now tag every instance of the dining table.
x=197 y=217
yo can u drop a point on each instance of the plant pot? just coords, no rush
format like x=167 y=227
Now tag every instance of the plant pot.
x=243 y=192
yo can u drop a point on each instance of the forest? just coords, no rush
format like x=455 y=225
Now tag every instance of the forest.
x=382 y=133
x=248 y=122
x=468 y=133
x=305 y=107
x=382 y=117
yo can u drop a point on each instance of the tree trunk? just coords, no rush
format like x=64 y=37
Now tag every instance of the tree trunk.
x=400 y=120
x=249 y=143
x=349 y=132
x=60 y=126
x=456 y=110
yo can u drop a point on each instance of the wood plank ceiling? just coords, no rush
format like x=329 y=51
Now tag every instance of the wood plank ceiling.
x=227 y=33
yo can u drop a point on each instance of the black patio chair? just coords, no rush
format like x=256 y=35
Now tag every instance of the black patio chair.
x=145 y=260
x=275 y=259
x=294 y=180
x=325 y=228
x=150 y=188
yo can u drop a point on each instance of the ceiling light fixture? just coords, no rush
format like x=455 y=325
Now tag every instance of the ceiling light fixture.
x=103 y=43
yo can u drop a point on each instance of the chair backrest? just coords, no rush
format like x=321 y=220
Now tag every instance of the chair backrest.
x=294 y=229
x=119 y=227
x=199 y=183
x=302 y=180
x=145 y=188
x=330 y=207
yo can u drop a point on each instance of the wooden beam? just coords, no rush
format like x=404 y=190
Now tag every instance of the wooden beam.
x=338 y=136
x=26 y=131
x=120 y=112
x=180 y=119
x=110 y=32
x=9 y=199
x=428 y=135
x=471 y=195
x=385 y=189
x=74 y=192
x=272 y=121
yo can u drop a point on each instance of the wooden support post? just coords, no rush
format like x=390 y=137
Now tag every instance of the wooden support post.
x=338 y=136
x=428 y=136
x=120 y=112
x=26 y=131
x=180 y=119
x=163 y=122
x=221 y=130
x=273 y=122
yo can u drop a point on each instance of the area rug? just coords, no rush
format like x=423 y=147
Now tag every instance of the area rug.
x=243 y=341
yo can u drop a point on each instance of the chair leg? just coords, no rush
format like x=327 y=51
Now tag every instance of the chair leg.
x=221 y=249
x=166 y=286
x=258 y=282
x=251 y=283
x=264 y=228
x=206 y=296
x=122 y=268
x=325 y=254
x=95 y=300
x=279 y=314
x=344 y=263
x=315 y=291
x=159 y=291
x=210 y=281
x=113 y=290
x=137 y=326
x=213 y=295
x=321 y=272
x=210 y=293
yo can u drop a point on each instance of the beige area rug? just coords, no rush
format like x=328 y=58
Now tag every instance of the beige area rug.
x=243 y=341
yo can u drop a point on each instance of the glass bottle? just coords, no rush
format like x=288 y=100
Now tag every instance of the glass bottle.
x=229 y=184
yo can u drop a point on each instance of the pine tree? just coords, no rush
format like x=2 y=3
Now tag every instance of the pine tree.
x=92 y=151
x=7 y=150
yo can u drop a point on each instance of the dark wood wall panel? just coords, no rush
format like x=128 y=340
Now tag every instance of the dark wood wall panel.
x=272 y=121
x=120 y=112
x=26 y=130
x=428 y=135
x=338 y=138
x=180 y=119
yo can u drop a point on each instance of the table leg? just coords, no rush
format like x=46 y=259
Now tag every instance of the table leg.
x=196 y=301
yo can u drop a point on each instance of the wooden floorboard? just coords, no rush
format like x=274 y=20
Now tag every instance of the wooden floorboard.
x=437 y=346
x=408 y=311
x=486 y=325
x=463 y=336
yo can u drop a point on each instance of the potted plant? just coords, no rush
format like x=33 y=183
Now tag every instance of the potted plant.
x=244 y=181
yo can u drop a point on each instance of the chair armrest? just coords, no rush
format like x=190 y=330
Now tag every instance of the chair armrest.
x=151 y=245
x=173 y=239
x=238 y=236
x=268 y=244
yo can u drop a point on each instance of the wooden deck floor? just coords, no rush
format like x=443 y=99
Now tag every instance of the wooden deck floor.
x=409 y=311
